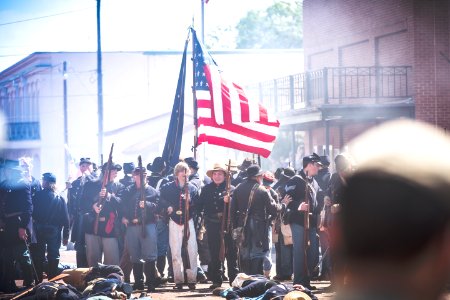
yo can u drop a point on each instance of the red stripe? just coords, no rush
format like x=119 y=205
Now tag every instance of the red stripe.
x=263 y=137
x=218 y=141
x=203 y=103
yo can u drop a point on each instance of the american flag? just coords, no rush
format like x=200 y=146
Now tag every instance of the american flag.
x=225 y=116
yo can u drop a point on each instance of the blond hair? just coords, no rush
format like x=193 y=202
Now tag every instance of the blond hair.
x=180 y=167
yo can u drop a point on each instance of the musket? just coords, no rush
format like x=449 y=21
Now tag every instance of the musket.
x=225 y=224
x=186 y=232
x=306 y=240
x=28 y=291
x=105 y=181
x=142 y=196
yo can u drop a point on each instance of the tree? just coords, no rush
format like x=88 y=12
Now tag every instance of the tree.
x=277 y=27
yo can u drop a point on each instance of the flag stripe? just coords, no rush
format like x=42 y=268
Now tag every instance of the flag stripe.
x=260 y=131
x=219 y=137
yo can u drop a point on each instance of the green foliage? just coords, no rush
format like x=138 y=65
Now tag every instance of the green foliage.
x=277 y=27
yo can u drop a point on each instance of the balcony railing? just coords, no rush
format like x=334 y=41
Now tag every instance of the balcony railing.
x=345 y=85
x=22 y=131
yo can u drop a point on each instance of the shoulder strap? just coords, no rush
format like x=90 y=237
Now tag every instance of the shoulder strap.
x=250 y=201
x=158 y=185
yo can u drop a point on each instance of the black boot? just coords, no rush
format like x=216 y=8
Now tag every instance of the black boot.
x=161 y=265
x=27 y=271
x=53 y=268
x=256 y=266
x=138 y=273
x=150 y=275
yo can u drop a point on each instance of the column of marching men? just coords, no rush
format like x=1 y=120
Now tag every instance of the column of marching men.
x=162 y=224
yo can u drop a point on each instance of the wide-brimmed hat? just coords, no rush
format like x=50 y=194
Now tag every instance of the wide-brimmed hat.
x=254 y=170
x=157 y=165
x=297 y=295
x=216 y=167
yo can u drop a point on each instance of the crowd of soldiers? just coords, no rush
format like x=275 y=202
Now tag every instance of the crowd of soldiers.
x=190 y=222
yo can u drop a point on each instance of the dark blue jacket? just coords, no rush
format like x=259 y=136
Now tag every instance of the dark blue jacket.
x=174 y=195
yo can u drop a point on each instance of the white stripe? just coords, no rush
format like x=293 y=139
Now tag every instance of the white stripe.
x=270 y=130
x=203 y=95
x=263 y=128
x=218 y=132
x=204 y=113
x=236 y=114
x=253 y=107
x=266 y=129
x=217 y=94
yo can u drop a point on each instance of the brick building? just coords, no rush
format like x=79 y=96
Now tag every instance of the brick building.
x=366 y=61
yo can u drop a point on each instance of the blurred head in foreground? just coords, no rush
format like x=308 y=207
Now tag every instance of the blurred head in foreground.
x=395 y=217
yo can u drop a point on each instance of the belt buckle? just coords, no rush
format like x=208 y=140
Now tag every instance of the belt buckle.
x=102 y=219
x=135 y=221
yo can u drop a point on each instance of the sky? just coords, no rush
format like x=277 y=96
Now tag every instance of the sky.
x=28 y=26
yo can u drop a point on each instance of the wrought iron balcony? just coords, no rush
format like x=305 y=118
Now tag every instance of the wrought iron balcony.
x=344 y=85
x=22 y=131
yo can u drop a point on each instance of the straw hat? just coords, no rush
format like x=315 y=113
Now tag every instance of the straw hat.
x=216 y=167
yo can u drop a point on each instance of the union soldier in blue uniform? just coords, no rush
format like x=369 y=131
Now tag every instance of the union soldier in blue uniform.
x=141 y=236
x=50 y=217
x=77 y=210
x=174 y=196
x=157 y=179
x=16 y=228
x=101 y=228
x=211 y=202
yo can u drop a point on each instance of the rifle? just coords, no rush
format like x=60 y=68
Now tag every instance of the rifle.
x=105 y=181
x=142 y=196
x=186 y=232
x=28 y=291
x=225 y=224
x=306 y=240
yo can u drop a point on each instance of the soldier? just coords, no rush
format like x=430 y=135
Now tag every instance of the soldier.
x=283 y=250
x=202 y=245
x=101 y=232
x=76 y=213
x=139 y=206
x=303 y=200
x=251 y=206
x=50 y=217
x=211 y=203
x=268 y=180
x=125 y=263
x=157 y=179
x=127 y=179
x=16 y=207
x=174 y=195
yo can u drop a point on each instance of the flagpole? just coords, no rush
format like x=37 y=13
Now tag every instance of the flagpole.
x=194 y=96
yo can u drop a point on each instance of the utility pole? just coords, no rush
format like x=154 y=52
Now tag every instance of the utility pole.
x=99 y=84
x=66 y=127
